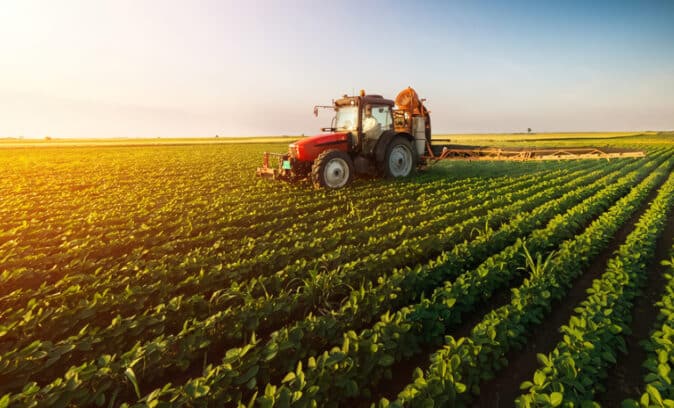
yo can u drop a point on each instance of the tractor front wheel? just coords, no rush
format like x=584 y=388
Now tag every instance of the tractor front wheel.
x=332 y=169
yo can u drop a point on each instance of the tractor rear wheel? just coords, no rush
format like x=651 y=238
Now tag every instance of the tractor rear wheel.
x=332 y=169
x=400 y=159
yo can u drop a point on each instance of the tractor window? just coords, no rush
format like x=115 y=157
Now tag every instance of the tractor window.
x=347 y=118
x=383 y=116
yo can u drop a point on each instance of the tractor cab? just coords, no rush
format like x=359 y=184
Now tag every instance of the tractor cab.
x=365 y=117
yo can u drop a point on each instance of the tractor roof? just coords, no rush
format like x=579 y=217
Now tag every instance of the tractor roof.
x=365 y=100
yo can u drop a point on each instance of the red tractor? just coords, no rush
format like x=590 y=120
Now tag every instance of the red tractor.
x=368 y=135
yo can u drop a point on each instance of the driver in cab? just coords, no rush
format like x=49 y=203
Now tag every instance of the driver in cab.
x=371 y=127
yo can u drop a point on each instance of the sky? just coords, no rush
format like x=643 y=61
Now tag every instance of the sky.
x=169 y=68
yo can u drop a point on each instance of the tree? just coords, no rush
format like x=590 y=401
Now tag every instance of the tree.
x=528 y=130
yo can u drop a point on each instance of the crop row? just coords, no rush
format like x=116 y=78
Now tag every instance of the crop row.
x=658 y=389
x=458 y=368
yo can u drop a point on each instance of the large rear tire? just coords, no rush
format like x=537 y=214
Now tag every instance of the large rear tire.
x=400 y=159
x=332 y=169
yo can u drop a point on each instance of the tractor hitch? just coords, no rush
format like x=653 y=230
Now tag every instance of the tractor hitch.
x=280 y=169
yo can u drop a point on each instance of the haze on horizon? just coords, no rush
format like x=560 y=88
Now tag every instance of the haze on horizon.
x=172 y=68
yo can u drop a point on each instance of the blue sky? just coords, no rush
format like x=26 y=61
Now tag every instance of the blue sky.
x=198 y=68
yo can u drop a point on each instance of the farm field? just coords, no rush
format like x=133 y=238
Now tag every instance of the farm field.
x=168 y=275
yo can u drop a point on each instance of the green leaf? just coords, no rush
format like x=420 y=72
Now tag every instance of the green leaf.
x=556 y=399
x=543 y=359
x=589 y=404
x=196 y=390
x=654 y=393
x=539 y=378
x=289 y=377
x=460 y=387
x=650 y=377
x=663 y=370
x=428 y=403
x=542 y=399
x=417 y=373
x=334 y=358
x=30 y=389
x=104 y=360
x=386 y=360
x=4 y=401
x=270 y=352
x=100 y=400
x=132 y=378
x=351 y=388
x=629 y=403
x=608 y=357
x=644 y=400
x=250 y=373
x=455 y=362
x=251 y=403
x=663 y=356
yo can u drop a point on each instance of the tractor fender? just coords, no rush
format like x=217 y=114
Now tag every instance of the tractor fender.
x=383 y=142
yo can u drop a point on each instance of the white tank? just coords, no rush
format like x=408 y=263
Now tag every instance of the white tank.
x=419 y=129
